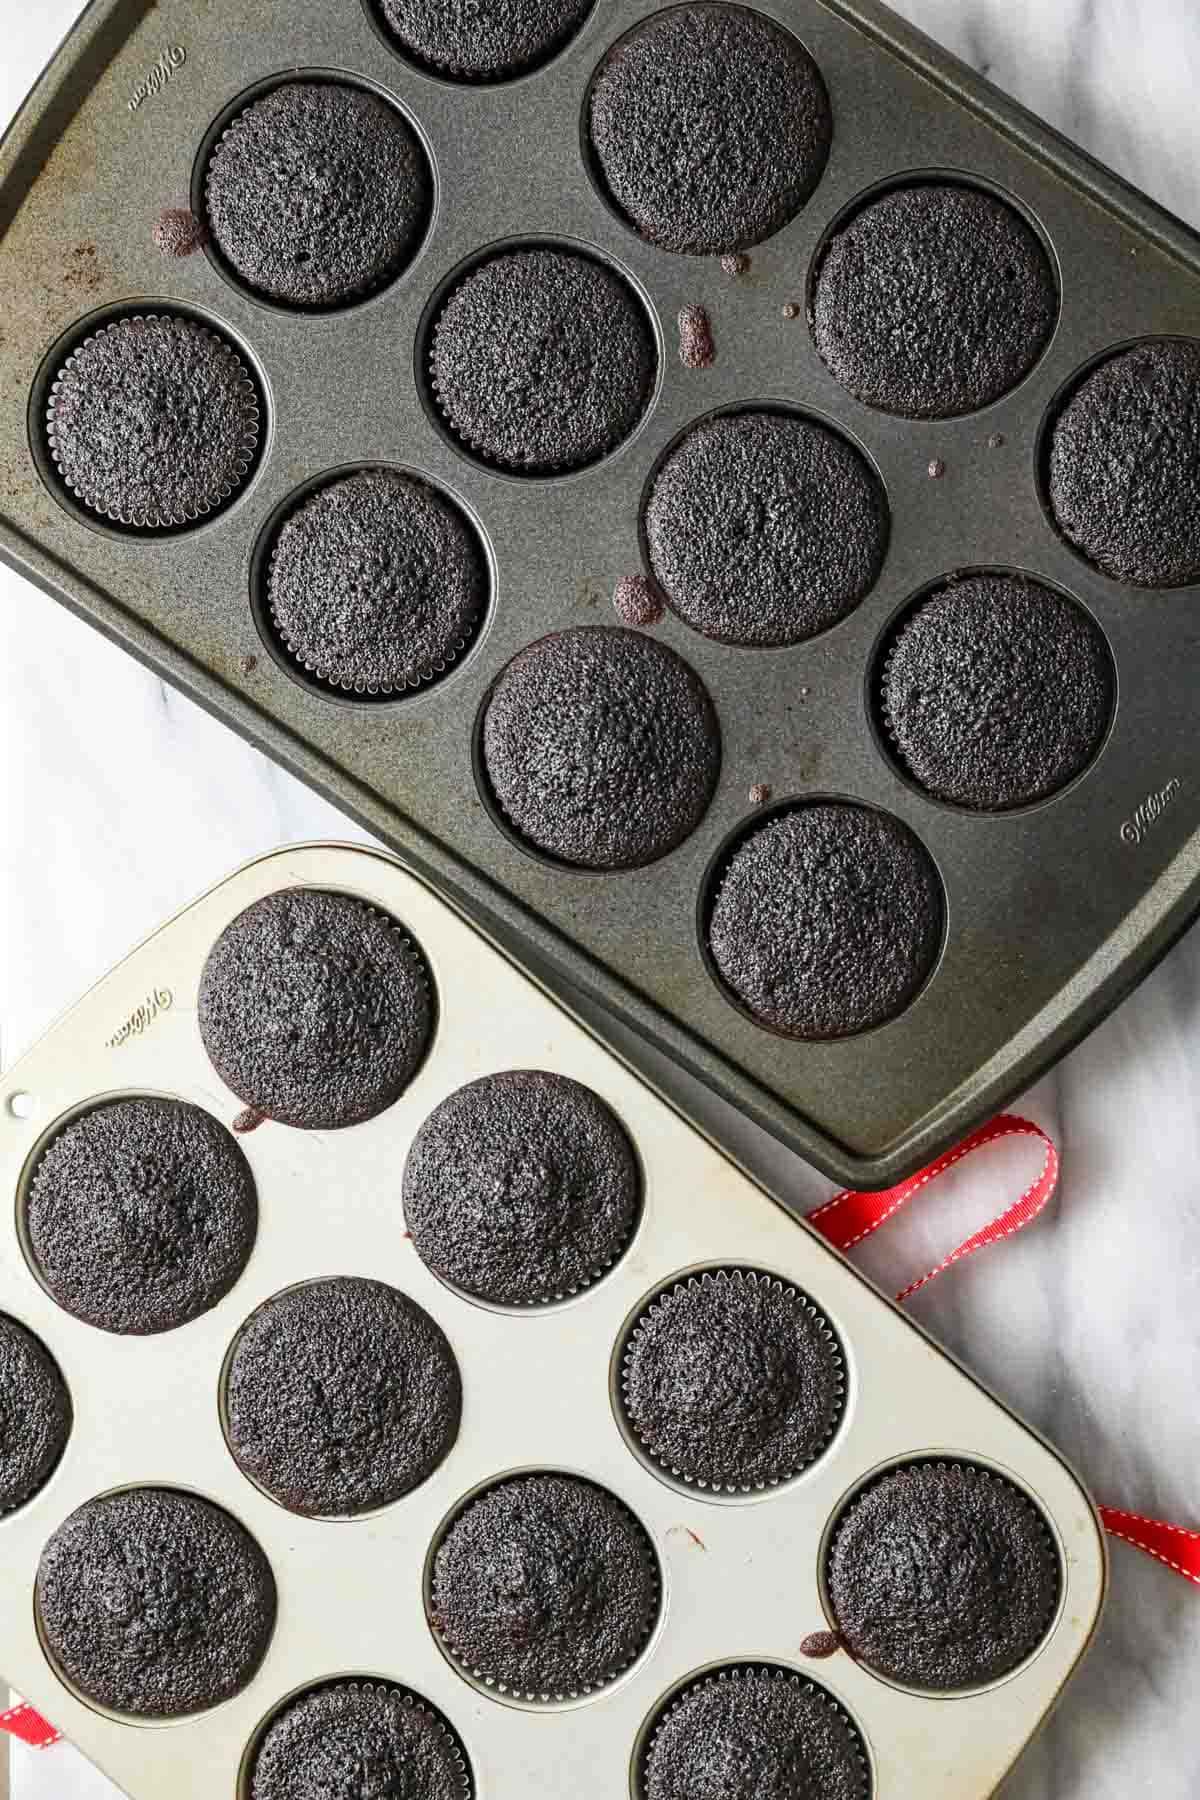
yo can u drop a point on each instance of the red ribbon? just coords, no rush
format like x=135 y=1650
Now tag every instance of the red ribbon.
x=844 y=1222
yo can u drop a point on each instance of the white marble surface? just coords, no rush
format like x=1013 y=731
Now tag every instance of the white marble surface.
x=119 y=801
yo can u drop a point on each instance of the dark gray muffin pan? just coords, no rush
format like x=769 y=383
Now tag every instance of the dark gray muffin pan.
x=1052 y=913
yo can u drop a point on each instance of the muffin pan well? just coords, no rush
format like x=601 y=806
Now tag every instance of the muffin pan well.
x=723 y=1575
x=1052 y=910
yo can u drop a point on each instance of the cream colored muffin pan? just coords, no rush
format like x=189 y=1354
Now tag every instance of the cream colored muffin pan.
x=741 y=1575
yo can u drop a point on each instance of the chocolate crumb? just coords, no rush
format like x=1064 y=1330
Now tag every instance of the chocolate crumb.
x=995 y=440
x=821 y=1644
x=737 y=264
x=636 y=602
x=760 y=793
x=790 y=310
x=178 y=232
x=249 y=664
x=248 y=1121
x=696 y=347
x=937 y=468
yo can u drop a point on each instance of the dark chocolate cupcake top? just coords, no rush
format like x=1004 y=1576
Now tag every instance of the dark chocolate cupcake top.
x=35 y=1415
x=155 y=1603
x=317 y=193
x=521 y=1187
x=601 y=747
x=153 y=422
x=315 y=1009
x=943 y=1576
x=545 y=1587
x=996 y=692
x=376 y=583
x=542 y=361
x=826 y=920
x=1124 y=465
x=933 y=300
x=141 y=1215
x=340 y=1397
x=711 y=127
x=362 y=1740
x=472 y=42
x=733 y=1380
x=754 y=1733
x=764 y=528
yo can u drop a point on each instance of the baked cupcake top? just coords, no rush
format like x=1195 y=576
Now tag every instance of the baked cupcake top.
x=996 y=692
x=153 y=422
x=542 y=360
x=377 y=583
x=483 y=43
x=315 y=1009
x=359 y=1738
x=933 y=300
x=764 y=528
x=521 y=1187
x=141 y=1215
x=340 y=1397
x=826 y=919
x=317 y=193
x=733 y=1380
x=754 y=1733
x=35 y=1415
x=711 y=127
x=155 y=1603
x=601 y=746
x=1124 y=465
x=545 y=1586
x=943 y=1577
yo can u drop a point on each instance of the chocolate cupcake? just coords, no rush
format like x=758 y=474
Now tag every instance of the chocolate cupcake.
x=35 y=1415
x=545 y=1587
x=601 y=747
x=521 y=1188
x=1124 y=465
x=765 y=528
x=361 y=1738
x=542 y=361
x=996 y=692
x=153 y=422
x=732 y=1380
x=933 y=300
x=710 y=126
x=376 y=584
x=826 y=920
x=154 y=1603
x=340 y=1397
x=753 y=1732
x=482 y=43
x=943 y=1576
x=317 y=193
x=141 y=1215
x=315 y=1009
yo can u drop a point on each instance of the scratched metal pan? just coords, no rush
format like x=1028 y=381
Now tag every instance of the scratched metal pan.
x=740 y=1574
x=1052 y=913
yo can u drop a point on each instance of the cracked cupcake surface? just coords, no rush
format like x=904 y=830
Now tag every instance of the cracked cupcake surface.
x=943 y=1576
x=711 y=127
x=749 y=1733
x=933 y=300
x=317 y=193
x=360 y=1739
x=601 y=747
x=142 y=1215
x=376 y=583
x=826 y=920
x=732 y=1380
x=545 y=1586
x=35 y=1415
x=542 y=360
x=521 y=1187
x=1124 y=465
x=155 y=1603
x=487 y=42
x=341 y=1396
x=764 y=528
x=315 y=1009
